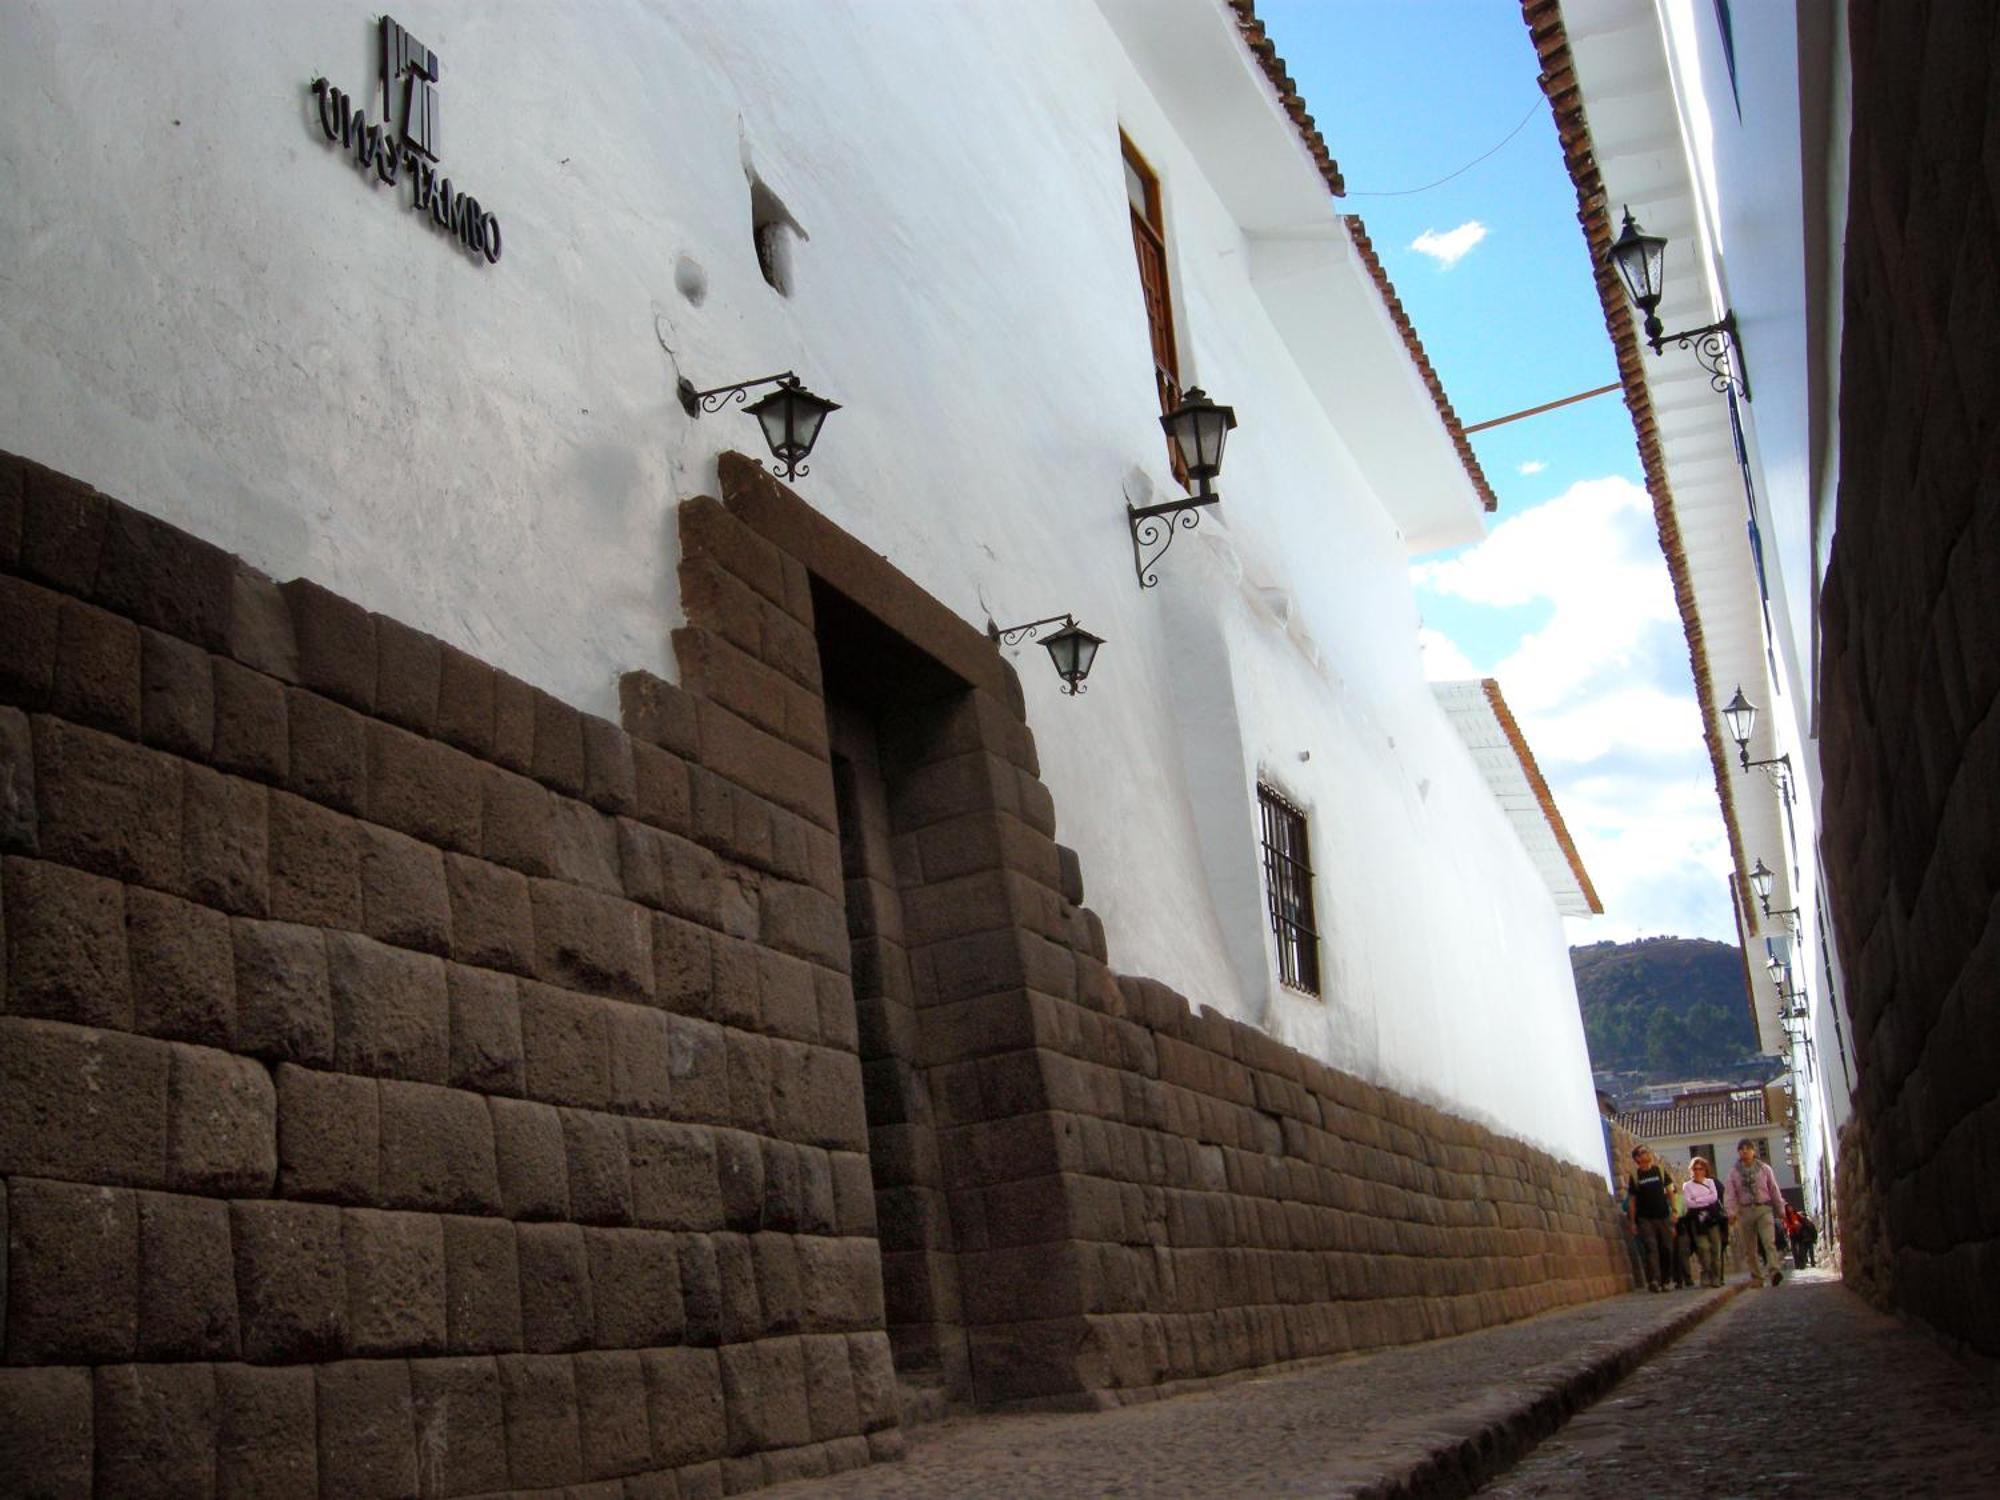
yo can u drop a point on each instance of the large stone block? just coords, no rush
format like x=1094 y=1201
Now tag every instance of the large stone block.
x=163 y=577
x=47 y=1432
x=329 y=1136
x=764 y=1391
x=266 y=1432
x=18 y=818
x=486 y=1046
x=437 y=1150
x=326 y=757
x=183 y=967
x=65 y=945
x=600 y=1174
x=635 y=1288
x=107 y=805
x=423 y=788
x=187 y=1279
x=367 y=1439
x=78 y=1103
x=391 y=1010
x=403 y=894
x=465 y=702
x=291 y=1284
x=482 y=1286
x=460 y=1423
x=315 y=856
x=73 y=1273
x=336 y=643
x=96 y=670
x=556 y=1309
x=492 y=922
x=538 y=1396
x=830 y=1399
x=565 y=1042
x=612 y=1414
x=395 y=1271
x=28 y=622
x=532 y=1159
x=684 y=1398
x=225 y=828
x=222 y=1123
x=408 y=664
x=641 y=1043
x=592 y=942
x=156 y=1429
x=674 y=1176
x=251 y=735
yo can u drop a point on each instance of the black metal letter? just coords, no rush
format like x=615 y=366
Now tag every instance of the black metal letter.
x=491 y=229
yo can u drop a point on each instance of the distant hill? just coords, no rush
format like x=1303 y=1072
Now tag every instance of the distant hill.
x=1666 y=1007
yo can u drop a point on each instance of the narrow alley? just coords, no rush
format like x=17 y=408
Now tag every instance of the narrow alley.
x=1801 y=1390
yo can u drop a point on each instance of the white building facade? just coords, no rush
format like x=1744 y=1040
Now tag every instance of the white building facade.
x=1723 y=128
x=213 y=310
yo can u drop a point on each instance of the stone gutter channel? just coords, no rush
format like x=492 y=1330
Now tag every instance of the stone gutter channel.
x=1414 y=1422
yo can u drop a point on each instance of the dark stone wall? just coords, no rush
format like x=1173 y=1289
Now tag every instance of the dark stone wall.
x=411 y=1084
x=1911 y=664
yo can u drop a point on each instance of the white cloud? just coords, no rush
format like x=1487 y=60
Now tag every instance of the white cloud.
x=1603 y=695
x=1449 y=248
x=1443 y=661
x=1532 y=466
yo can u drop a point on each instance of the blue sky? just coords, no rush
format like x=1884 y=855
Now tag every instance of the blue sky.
x=1567 y=602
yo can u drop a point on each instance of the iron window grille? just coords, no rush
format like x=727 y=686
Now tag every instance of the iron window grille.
x=1288 y=880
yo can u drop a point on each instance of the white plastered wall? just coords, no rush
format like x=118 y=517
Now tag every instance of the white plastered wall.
x=206 y=311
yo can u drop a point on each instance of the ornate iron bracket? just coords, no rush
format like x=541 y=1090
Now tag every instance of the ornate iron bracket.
x=1716 y=347
x=1153 y=526
x=695 y=402
x=1777 y=771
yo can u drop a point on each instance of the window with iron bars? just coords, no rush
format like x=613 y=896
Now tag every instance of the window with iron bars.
x=1288 y=879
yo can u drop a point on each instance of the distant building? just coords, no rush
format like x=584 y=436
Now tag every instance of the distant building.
x=1708 y=1120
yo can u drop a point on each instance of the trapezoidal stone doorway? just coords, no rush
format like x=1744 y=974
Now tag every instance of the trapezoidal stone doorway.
x=949 y=867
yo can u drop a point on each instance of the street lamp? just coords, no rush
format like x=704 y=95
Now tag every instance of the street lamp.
x=1762 y=879
x=1740 y=714
x=790 y=415
x=1072 y=649
x=1198 y=429
x=1640 y=260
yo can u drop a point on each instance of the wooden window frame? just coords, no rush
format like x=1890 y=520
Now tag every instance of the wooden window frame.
x=1288 y=888
x=1149 y=246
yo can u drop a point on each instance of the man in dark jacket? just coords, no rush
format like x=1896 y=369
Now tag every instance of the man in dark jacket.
x=1649 y=1192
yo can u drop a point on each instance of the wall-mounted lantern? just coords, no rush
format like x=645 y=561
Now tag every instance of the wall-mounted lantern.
x=1198 y=429
x=1072 y=648
x=1740 y=714
x=1793 y=1000
x=790 y=415
x=1640 y=260
x=1762 y=879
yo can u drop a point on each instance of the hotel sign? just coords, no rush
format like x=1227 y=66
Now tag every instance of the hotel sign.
x=401 y=144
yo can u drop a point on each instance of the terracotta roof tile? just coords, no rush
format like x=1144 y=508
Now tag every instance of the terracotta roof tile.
x=1565 y=96
x=1265 y=51
x=1533 y=772
x=1716 y=1116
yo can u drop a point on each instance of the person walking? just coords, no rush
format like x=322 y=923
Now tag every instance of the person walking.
x=1704 y=1220
x=1649 y=1192
x=1751 y=1198
x=1803 y=1242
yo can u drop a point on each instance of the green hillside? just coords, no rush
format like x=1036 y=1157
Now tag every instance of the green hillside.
x=1667 y=1006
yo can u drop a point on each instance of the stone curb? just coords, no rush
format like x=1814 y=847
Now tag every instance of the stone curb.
x=1492 y=1436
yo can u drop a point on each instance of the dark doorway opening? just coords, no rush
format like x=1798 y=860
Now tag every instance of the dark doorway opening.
x=886 y=701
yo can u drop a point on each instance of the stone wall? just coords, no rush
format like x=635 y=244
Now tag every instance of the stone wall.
x=411 y=1085
x=1911 y=665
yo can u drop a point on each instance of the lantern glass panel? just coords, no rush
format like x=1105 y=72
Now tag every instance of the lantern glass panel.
x=1640 y=259
x=791 y=417
x=1761 y=880
x=1199 y=429
x=1073 y=650
x=1740 y=714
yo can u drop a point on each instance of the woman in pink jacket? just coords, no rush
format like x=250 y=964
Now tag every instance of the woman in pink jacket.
x=1751 y=1197
x=1704 y=1220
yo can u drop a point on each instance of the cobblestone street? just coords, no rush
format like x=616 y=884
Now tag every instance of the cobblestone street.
x=1800 y=1391
x=1825 y=1396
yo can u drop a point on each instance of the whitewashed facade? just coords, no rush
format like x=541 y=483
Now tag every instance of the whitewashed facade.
x=210 y=311
x=1724 y=128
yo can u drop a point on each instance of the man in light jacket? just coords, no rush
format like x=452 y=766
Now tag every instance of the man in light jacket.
x=1751 y=1198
